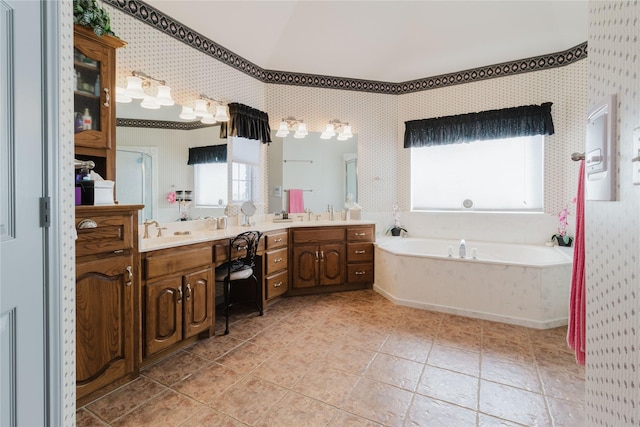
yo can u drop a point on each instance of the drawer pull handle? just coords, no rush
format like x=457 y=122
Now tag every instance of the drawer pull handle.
x=316 y=256
x=107 y=97
x=129 y=271
x=361 y=251
x=277 y=285
x=360 y=273
x=179 y=295
x=87 y=223
x=277 y=260
x=321 y=255
x=188 y=292
x=360 y=234
x=278 y=240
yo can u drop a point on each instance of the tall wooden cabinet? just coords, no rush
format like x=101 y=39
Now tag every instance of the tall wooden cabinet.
x=107 y=303
x=94 y=60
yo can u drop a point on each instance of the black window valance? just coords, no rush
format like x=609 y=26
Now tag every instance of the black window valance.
x=526 y=120
x=208 y=154
x=246 y=122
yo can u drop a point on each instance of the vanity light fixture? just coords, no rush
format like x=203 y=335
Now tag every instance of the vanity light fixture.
x=201 y=109
x=187 y=113
x=121 y=97
x=285 y=124
x=138 y=80
x=342 y=129
x=221 y=109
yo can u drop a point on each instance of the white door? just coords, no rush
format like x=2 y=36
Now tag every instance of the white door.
x=22 y=275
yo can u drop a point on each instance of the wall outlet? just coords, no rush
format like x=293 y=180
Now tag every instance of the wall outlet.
x=635 y=158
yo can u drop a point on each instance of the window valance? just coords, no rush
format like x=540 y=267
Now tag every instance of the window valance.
x=246 y=122
x=208 y=154
x=526 y=120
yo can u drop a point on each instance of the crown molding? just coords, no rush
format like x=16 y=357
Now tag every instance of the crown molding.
x=160 y=124
x=166 y=24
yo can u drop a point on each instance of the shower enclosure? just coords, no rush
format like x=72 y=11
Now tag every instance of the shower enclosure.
x=135 y=178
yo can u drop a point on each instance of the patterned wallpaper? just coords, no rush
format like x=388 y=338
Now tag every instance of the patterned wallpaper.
x=613 y=228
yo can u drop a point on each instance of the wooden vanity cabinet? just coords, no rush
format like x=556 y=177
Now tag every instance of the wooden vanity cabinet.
x=318 y=258
x=360 y=254
x=276 y=263
x=178 y=296
x=107 y=286
x=94 y=92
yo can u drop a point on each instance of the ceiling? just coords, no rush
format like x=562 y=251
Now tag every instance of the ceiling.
x=389 y=41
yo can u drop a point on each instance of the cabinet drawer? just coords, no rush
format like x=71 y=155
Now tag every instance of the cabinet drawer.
x=360 y=234
x=277 y=284
x=359 y=252
x=360 y=273
x=326 y=234
x=109 y=233
x=276 y=240
x=222 y=251
x=182 y=259
x=276 y=260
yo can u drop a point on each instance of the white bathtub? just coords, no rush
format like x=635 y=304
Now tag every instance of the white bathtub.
x=519 y=284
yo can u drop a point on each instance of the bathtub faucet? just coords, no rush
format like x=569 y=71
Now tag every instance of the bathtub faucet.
x=463 y=249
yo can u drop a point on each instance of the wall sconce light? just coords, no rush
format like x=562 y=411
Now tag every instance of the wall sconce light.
x=121 y=97
x=135 y=89
x=285 y=124
x=221 y=109
x=202 y=110
x=342 y=129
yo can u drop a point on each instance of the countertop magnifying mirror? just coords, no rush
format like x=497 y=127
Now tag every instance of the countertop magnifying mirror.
x=151 y=161
x=324 y=169
x=248 y=209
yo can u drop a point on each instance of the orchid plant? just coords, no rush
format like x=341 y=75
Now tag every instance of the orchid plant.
x=562 y=227
x=396 y=228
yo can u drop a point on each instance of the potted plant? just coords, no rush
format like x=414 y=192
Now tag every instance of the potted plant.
x=87 y=13
x=396 y=229
x=561 y=237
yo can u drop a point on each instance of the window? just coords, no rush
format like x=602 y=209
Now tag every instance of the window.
x=499 y=174
x=241 y=182
x=210 y=184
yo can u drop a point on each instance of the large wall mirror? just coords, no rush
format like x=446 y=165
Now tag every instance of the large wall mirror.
x=151 y=161
x=324 y=169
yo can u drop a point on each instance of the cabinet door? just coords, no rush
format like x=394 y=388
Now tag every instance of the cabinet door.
x=104 y=322
x=163 y=315
x=305 y=266
x=198 y=302
x=92 y=63
x=332 y=264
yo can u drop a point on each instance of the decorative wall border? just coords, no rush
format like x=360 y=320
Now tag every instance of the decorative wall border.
x=161 y=124
x=162 y=22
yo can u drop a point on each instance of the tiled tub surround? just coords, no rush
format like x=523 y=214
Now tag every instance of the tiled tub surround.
x=518 y=284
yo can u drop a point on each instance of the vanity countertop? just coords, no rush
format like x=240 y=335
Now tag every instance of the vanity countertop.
x=200 y=233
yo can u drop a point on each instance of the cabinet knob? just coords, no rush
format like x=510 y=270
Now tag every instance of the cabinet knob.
x=277 y=240
x=107 y=97
x=277 y=260
x=277 y=285
x=360 y=251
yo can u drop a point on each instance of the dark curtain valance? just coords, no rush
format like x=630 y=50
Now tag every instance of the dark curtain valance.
x=246 y=122
x=208 y=154
x=527 y=120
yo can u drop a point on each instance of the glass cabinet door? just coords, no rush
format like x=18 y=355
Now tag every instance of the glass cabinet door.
x=92 y=99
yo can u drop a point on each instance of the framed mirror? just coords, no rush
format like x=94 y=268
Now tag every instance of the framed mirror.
x=324 y=169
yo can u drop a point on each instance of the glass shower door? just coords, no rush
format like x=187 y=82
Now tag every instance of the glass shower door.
x=134 y=183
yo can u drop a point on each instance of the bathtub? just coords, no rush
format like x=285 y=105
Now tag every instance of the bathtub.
x=519 y=284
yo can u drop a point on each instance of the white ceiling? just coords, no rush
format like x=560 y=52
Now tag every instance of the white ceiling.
x=389 y=41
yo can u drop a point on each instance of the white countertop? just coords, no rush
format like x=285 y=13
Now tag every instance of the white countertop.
x=200 y=232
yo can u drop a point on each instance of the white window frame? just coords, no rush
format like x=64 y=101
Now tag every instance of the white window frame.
x=236 y=182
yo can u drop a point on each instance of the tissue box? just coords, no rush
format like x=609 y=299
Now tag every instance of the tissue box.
x=103 y=193
x=354 y=213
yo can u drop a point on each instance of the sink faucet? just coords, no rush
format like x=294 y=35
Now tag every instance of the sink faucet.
x=308 y=211
x=146 y=224
x=463 y=249
x=331 y=212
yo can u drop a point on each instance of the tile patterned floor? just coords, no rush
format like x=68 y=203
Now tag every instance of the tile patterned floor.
x=355 y=359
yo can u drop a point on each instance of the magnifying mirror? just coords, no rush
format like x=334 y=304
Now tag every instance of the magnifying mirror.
x=248 y=209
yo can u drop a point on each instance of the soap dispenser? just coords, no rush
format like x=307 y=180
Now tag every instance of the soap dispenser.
x=463 y=249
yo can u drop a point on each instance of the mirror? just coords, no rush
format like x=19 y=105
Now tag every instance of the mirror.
x=324 y=169
x=152 y=161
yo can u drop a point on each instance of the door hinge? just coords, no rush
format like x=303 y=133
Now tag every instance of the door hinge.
x=45 y=212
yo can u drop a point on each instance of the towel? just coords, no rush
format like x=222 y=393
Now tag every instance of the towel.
x=296 y=204
x=576 y=333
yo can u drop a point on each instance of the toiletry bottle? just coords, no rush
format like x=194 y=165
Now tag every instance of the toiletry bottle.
x=86 y=120
x=78 y=126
